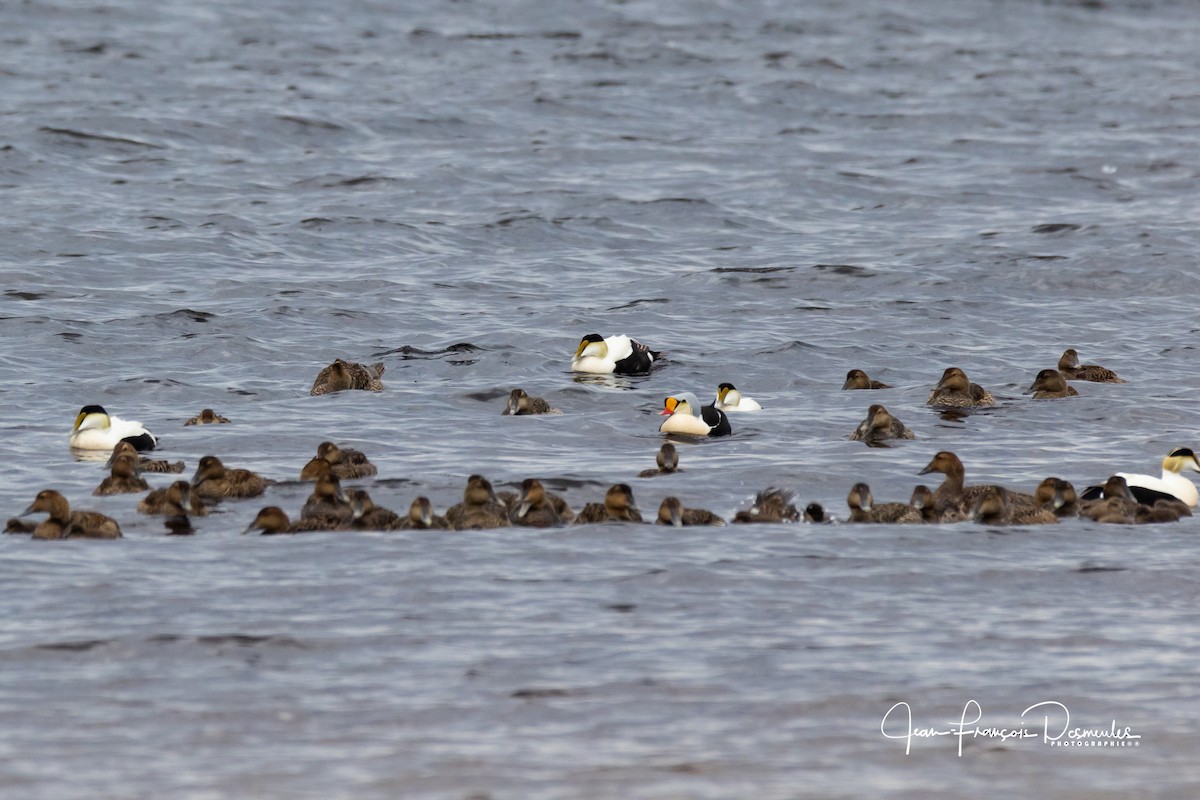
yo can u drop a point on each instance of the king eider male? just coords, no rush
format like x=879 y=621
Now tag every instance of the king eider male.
x=96 y=430
x=686 y=415
x=619 y=355
x=730 y=399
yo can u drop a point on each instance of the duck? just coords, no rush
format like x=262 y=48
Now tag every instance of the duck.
x=207 y=417
x=145 y=464
x=173 y=500
x=421 y=517
x=346 y=463
x=1172 y=483
x=993 y=507
x=879 y=426
x=124 y=478
x=213 y=481
x=63 y=523
x=922 y=499
x=328 y=504
x=272 y=520
x=1070 y=367
x=730 y=399
x=521 y=404
x=815 y=513
x=1058 y=496
x=480 y=508
x=618 y=355
x=342 y=375
x=96 y=430
x=953 y=495
x=684 y=414
x=1161 y=511
x=770 y=505
x=1049 y=385
x=956 y=391
x=536 y=508
x=857 y=379
x=864 y=509
x=366 y=516
x=1114 y=503
x=618 y=506
x=671 y=512
x=667 y=460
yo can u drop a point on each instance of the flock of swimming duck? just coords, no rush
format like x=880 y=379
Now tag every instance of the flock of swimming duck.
x=1123 y=498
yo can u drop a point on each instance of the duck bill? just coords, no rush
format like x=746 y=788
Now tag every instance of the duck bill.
x=78 y=422
x=523 y=509
x=514 y=407
x=669 y=406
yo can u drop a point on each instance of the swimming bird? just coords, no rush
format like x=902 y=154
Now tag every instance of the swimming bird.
x=342 y=375
x=1161 y=511
x=1115 y=503
x=667 y=460
x=863 y=508
x=879 y=426
x=273 y=520
x=923 y=500
x=684 y=414
x=157 y=465
x=1172 y=482
x=213 y=481
x=1050 y=384
x=346 y=463
x=993 y=507
x=366 y=516
x=520 y=404
x=63 y=523
x=206 y=417
x=421 y=517
x=815 y=513
x=671 y=512
x=480 y=508
x=328 y=504
x=616 y=354
x=173 y=500
x=1070 y=367
x=1058 y=496
x=953 y=494
x=857 y=379
x=534 y=508
x=96 y=430
x=124 y=478
x=770 y=505
x=618 y=506
x=730 y=399
x=956 y=391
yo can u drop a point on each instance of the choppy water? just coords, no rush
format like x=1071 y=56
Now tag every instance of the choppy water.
x=204 y=206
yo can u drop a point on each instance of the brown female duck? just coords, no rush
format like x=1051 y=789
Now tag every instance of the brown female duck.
x=174 y=500
x=328 y=504
x=1070 y=367
x=863 y=508
x=667 y=460
x=480 y=508
x=520 y=404
x=671 y=512
x=770 y=505
x=342 y=375
x=346 y=463
x=213 y=481
x=955 y=390
x=993 y=506
x=124 y=478
x=206 y=417
x=953 y=495
x=857 y=379
x=880 y=426
x=366 y=516
x=618 y=506
x=63 y=523
x=1049 y=385
x=156 y=465
x=421 y=517
x=537 y=508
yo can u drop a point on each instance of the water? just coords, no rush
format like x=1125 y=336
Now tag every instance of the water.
x=206 y=206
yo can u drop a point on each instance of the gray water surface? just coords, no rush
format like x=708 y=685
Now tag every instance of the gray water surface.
x=206 y=205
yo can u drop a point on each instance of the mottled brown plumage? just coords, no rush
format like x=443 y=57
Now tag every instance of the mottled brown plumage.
x=124 y=478
x=206 y=417
x=955 y=390
x=342 y=375
x=667 y=460
x=864 y=509
x=480 y=508
x=618 y=506
x=155 y=465
x=520 y=403
x=770 y=505
x=213 y=481
x=880 y=426
x=671 y=512
x=857 y=379
x=1070 y=367
x=1049 y=385
x=421 y=517
x=63 y=523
